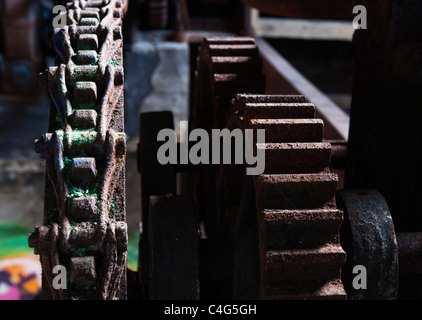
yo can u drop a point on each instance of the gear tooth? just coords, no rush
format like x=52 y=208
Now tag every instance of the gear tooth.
x=236 y=65
x=84 y=171
x=296 y=191
x=321 y=226
x=289 y=130
x=277 y=110
x=86 y=57
x=83 y=235
x=90 y=13
x=85 y=92
x=87 y=42
x=82 y=272
x=83 y=208
x=89 y=21
x=84 y=119
x=293 y=157
x=234 y=50
x=284 y=266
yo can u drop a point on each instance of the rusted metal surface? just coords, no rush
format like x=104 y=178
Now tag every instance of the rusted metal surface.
x=289 y=130
x=216 y=82
x=298 y=161
x=156 y=180
x=291 y=157
x=298 y=223
x=173 y=238
x=168 y=248
x=225 y=66
x=296 y=191
x=84 y=217
x=369 y=238
x=274 y=236
x=337 y=9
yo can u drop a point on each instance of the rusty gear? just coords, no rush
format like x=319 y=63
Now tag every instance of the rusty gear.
x=84 y=217
x=298 y=223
